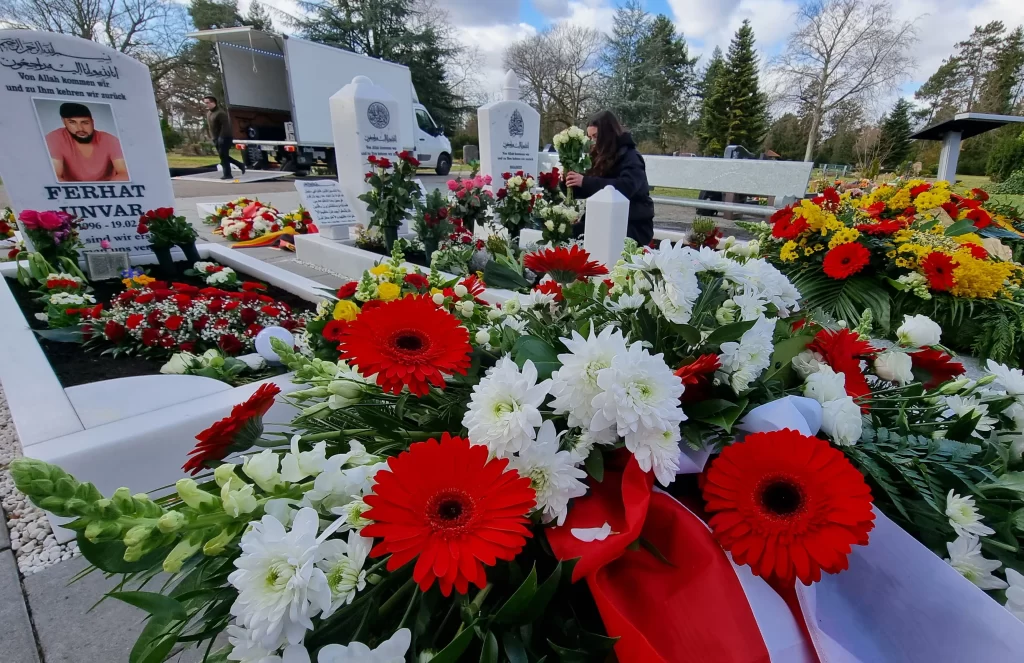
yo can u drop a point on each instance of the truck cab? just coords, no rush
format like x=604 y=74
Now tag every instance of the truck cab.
x=277 y=91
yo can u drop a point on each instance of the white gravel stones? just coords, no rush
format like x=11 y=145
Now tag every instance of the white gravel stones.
x=31 y=537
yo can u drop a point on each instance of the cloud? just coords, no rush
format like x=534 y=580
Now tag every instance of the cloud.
x=552 y=9
x=477 y=12
x=708 y=23
x=491 y=42
x=596 y=14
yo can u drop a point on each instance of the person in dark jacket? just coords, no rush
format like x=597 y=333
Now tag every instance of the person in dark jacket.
x=616 y=162
x=220 y=133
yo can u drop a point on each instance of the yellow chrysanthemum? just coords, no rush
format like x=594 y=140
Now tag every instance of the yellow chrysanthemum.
x=808 y=251
x=900 y=200
x=144 y=279
x=380 y=270
x=788 y=252
x=819 y=247
x=931 y=199
x=843 y=236
x=969 y=238
x=345 y=310
x=388 y=291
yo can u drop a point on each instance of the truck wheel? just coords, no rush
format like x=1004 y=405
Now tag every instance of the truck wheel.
x=444 y=164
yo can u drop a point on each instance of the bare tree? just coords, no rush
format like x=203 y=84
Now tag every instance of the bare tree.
x=870 y=151
x=843 y=49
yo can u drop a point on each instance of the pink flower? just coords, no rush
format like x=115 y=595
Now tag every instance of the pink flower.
x=460 y=194
x=487 y=179
x=104 y=244
x=453 y=185
x=50 y=220
x=29 y=218
x=478 y=181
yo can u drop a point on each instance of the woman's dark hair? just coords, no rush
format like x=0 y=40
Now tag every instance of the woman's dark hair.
x=607 y=144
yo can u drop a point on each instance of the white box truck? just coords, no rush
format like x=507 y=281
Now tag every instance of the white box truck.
x=277 y=90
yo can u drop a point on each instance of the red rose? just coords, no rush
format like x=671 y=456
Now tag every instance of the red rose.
x=221 y=323
x=506 y=176
x=154 y=318
x=212 y=292
x=333 y=330
x=174 y=322
x=347 y=290
x=502 y=192
x=185 y=288
x=230 y=344
x=182 y=302
x=187 y=346
x=215 y=305
x=200 y=323
x=142 y=229
x=114 y=331
x=372 y=159
x=266 y=299
x=289 y=324
x=252 y=286
x=383 y=163
x=167 y=342
x=159 y=285
x=248 y=315
x=442 y=213
x=125 y=296
x=231 y=306
x=252 y=330
x=145 y=298
x=272 y=311
x=150 y=336
x=134 y=320
x=165 y=212
x=417 y=281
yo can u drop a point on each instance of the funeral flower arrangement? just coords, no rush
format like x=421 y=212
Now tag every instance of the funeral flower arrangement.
x=165 y=228
x=464 y=481
x=54 y=236
x=66 y=300
x=160 y=318
x=917 y=248
x=469 y=202
x=8 y=224
x=556 y=221
x=514 y=201
x=431 y=221
x=246 y=219
x=393 y=193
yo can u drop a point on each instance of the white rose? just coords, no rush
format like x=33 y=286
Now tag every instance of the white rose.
x=262 y=469
x=561 y=228
x=841 y=421
x=918 y=331
x=894 y=366
x=178 y=364
x=526 y=195
x=549 y=224
x=42 y=317
x=825 y=385
x=807 y=362
x=997 y=248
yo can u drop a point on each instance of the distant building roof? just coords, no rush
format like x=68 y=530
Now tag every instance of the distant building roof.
x=771 y=154
x=968 y=124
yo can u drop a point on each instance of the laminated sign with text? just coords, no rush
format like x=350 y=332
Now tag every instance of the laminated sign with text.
x=79 y=132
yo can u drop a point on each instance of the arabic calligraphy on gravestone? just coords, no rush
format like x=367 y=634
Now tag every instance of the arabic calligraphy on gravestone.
x=80 y=132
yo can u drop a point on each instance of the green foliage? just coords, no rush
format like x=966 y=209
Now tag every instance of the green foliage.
x=1006 y=157
x=895 y=136
x=787 y=137
x=1000 y=334
x=1014 y=184
x=735 y=113
x=843 y=299
x=172 y=139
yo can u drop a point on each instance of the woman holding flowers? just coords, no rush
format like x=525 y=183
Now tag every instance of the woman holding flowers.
x=616 y=162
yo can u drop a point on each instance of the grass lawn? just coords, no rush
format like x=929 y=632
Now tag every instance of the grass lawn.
x=182 y=161
x=670 y=192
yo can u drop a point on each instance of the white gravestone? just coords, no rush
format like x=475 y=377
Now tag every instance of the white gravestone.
x=61 y=96
x=328 y=207
x=509 y=134
x=365 y=120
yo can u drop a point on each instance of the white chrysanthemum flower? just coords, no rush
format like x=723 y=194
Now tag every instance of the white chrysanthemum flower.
x=638 y=390
x=297 y=465
x=279 y=587
x=342 y=564
x=918 y=331
x=585 y=440
x=392 y=650
x=656 y=450
x=537 y=299
x=627 y=303
x=965 y=556
x=969 y=406
x=895 y=366
x=750 y=304
x=964 y=517
x=841 y=420
x=1015 y=594
x=765 y=278
x=825 y=385
x=246 y=650
x=504 y=410
x=1016 y=413
x=352 y=515
x=553 y=474
x=1011 y=379
x=574 y=384
x=807 y=362
x=742 y=362
x=675 y=298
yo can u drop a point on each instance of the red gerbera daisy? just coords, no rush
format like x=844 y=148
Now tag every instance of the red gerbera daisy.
x=236 y=432
x=883 y=227
x=874 y=210
x=334 y=329
x=979 y=194
x=978 y=252
x=843 y=350
x=933 y=367
x=980 y=218
x=696 y=376
x=551 y=288
x=788 y=505
x=846 y=260
x=784 y=226
x=347 y=290
x=938 y=267
x=919 y=189
x=564 y=265
x=409 y=342
x=450 y=508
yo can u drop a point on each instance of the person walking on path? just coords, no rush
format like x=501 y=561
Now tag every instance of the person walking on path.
x=219 y=125
x=616 y=163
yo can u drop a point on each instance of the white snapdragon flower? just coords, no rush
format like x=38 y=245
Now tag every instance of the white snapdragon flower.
x=392 y=650
x=965 y=556
x=964 y=517
x=342 y=563
x=279 y=587
x=574 y=384
x=262 y=468
x=504 y=408
x=841 y=421
x=553 y=474
x=918 y=331
x=1011 y=379
x=1015 y=594
x=238 y=498
x=742 y=362
x=895 y=366
x=825 y=385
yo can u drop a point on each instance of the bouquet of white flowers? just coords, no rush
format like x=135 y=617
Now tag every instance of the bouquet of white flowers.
x=557 y=222
x=573 y=147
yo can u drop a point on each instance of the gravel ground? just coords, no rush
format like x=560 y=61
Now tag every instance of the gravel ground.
x=31 y=537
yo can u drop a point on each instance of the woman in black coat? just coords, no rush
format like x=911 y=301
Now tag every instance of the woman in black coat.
x=616 y=162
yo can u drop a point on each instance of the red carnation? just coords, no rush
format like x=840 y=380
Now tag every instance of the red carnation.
x=843 y=350
x=236 y=432
x=846 y=260
x=417 y=281
x=938 y=267
x=230 y=344
x=174 y=322
x=114 y=331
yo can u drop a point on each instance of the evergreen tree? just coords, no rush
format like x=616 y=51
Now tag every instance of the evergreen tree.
x=622 y=58
x=1001 y=83
x=895 y=136
x=200 y=70
x=787 y=137
x=668 y=80
x=737 y=108
x=393 y=30
x=258 y=17
x=710 y=129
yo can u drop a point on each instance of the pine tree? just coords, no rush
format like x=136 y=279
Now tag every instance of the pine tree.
x=258 y=17
x=622 y=57
x=736 y=106
x=1002 y=82
x=895 y=137
x=787 y=137
x=668 y=80
x=711 y=126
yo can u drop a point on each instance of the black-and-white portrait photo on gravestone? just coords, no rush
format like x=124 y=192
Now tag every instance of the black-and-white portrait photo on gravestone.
x=509 y=134
x=366 y=121
x=328 y=207
x=79 y=132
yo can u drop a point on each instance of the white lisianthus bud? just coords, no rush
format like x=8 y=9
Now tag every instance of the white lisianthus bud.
x=482 y=337
x=438 y=298
x=918 y=331
x=225 y=474
x=895 y=366
x=494 y=314
x=467 y=308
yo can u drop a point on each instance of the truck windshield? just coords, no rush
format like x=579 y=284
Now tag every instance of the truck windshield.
x=423 y=119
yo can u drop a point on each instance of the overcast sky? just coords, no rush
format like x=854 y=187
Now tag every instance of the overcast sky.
x=491 y=25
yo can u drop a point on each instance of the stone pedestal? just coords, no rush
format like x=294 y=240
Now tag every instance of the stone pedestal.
x=607 y=218
x=365 y=121
x=509 y=134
